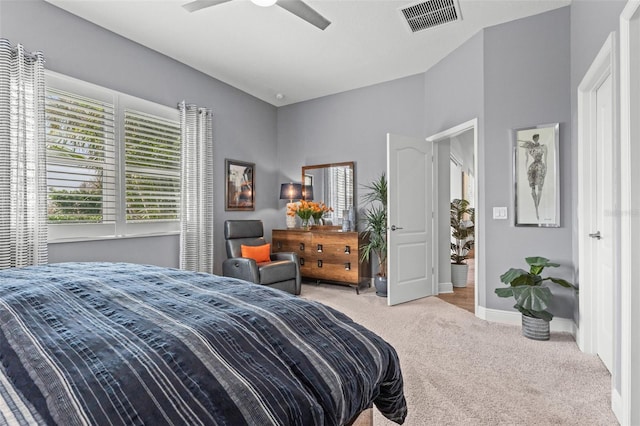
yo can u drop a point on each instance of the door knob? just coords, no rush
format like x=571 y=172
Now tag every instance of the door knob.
x=393 y=227
x=596 y=235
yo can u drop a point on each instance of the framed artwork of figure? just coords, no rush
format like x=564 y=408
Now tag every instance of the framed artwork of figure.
x=536 y=175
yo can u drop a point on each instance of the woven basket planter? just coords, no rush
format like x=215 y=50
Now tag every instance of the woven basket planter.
x=535 y=328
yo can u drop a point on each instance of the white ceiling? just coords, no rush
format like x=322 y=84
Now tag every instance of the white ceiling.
x=267 y=51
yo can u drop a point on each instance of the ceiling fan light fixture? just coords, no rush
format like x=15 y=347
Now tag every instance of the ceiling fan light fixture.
x=264 y=3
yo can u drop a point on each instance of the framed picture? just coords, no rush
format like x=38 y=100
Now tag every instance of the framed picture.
x=240 y=188
x=536 y=174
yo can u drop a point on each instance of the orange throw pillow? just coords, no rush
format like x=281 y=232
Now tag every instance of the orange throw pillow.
x=258 y=253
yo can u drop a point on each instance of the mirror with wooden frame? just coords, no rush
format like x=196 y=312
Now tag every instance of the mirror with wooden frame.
x=333 y=184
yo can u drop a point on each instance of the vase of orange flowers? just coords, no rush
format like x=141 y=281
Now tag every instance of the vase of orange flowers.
x=319 y=210
x=306 y=210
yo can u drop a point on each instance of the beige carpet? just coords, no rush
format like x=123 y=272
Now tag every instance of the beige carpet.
x=460 y=370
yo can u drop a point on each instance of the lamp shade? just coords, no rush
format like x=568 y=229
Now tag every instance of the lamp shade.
x=307 y=192
x=290 y=191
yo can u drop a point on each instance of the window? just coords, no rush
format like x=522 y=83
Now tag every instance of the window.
x=152 y=167
x=113 y=163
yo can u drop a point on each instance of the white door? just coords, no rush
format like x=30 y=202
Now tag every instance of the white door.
x=603 y=272
x=410 y=219
x=598 y=197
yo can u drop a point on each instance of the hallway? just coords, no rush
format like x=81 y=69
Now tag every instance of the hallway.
x=463 y=297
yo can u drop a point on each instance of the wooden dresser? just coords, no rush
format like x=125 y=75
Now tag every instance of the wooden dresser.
x=325 y=254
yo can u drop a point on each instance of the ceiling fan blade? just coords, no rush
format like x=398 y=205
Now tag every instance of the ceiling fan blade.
x=304 y=11
x=201 y=4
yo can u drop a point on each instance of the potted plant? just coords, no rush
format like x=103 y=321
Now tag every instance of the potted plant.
x=532 y=296
x=374 y=219
x=462 y=228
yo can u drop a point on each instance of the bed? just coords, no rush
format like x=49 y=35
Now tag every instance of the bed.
x=118 y=343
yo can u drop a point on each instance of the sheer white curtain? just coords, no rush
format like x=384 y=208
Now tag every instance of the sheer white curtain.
x=196 y=209
x=23 y=184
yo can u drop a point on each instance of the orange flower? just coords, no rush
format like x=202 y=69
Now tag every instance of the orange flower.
x=307 y=209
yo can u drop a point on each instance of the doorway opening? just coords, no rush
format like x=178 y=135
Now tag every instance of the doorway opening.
x=456 y=177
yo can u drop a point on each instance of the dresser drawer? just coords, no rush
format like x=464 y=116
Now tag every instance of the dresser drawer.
x=327 y=255
x=340 y=272
x=291 y=241
x=338 y=248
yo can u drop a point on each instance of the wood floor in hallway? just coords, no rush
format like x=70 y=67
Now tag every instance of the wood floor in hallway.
x=463 y=297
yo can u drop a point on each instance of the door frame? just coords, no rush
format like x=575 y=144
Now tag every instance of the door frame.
x=479 y=229
x=602 y=67
x=627 y=412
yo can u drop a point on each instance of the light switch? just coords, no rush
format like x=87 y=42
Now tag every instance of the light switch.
x=500 y=213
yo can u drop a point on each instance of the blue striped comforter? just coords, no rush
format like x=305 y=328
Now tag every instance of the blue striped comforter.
x=104 y=343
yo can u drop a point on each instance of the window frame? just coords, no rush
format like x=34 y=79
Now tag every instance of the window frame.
x=66 y=232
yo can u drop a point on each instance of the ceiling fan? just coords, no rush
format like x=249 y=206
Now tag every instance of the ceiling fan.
x=297 y=7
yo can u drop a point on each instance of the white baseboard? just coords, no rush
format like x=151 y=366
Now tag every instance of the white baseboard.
x=481 y=312
x=579 y=339
x=445 y=288
x=564 y=325
x=616 y=404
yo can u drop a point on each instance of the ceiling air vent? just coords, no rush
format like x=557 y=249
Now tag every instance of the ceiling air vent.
x=431 y=13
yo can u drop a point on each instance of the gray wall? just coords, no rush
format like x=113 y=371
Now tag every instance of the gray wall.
x=591 y=23
x=527 y=69
x=244 y=127
x=454 y=94
x=509 y=76
x=349 y=126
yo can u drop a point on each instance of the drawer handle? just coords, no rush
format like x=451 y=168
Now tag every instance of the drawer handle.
x=301 y=246
x=319 y=263
x=279 y=244
x=347 y=266
x=302 y=261
x=347 y=250
x=319 y=248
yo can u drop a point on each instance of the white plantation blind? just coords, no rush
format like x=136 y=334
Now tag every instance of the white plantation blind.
x=80 y=159
x=152 y=167
x=113 y=163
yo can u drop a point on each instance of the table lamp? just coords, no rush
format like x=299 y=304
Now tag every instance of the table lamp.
x=290 y=191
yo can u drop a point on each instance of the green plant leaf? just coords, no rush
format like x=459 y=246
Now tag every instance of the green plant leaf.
x=560 y=281
x=511 y=275
x=538 y=263
x=527 y=279
x=523 y=311
x=504 y=292
x=377 y=191
x=532 y=298
x=545 y=315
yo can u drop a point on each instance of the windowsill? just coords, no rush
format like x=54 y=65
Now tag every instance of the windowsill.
x=111 y=237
